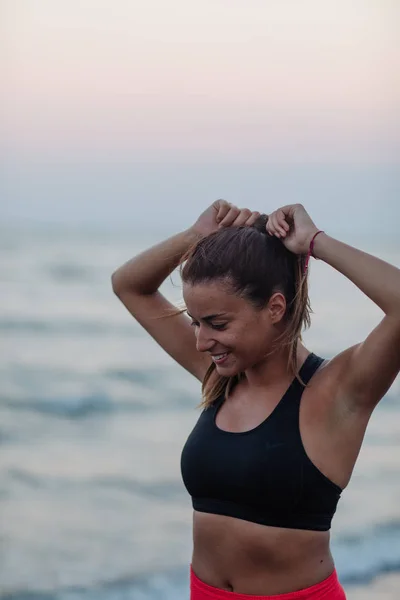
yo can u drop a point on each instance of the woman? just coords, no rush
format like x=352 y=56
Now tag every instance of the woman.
x=281 y=428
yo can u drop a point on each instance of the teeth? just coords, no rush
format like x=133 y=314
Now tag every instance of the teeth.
x=218 y=356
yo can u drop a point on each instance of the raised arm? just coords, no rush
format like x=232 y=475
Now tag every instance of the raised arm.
x=136 y=283
x=371 y=366
x=367 y=370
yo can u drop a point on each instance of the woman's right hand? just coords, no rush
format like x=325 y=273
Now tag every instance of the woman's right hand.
x=223 y=214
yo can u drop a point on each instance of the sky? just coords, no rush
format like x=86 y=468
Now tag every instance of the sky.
x=120 y=110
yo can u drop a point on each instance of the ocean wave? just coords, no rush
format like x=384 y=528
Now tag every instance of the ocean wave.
x=168 y=491
x=62 y=327
x=148 y=377
x=67 y=272
x=41 y=595
x=165 y=490
x=110 y=391
x=361 y=557
x=173 y=585
x=73 y=407
x=90 y=405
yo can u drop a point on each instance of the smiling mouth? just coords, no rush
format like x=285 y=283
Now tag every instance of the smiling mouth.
x=219 y=358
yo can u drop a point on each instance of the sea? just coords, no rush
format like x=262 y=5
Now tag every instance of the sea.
x=94 y=415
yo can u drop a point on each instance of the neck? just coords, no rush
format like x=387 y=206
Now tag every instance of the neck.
x=274 y=369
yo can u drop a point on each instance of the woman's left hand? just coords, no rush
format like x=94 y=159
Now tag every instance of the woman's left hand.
x=293 y=225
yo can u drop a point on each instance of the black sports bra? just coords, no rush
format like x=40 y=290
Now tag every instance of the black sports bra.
x=263 y=475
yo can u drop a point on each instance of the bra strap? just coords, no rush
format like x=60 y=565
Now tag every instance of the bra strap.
x=310 y=366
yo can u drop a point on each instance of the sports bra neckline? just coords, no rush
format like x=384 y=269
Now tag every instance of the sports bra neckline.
x=221 y=400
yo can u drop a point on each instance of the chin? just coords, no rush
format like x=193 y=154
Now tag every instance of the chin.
x=228 y=370
x=237 y=368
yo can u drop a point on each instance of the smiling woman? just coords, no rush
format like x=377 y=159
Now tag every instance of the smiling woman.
x=281 y=428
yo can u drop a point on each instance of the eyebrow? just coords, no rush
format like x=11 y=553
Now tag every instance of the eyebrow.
x=208 y=317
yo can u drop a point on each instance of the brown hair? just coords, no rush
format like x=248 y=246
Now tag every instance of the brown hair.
x=256 y=265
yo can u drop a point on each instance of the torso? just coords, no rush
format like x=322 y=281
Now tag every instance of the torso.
x=248 y=558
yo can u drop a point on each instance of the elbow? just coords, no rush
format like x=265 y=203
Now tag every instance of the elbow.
x=116 y=283
x=121 y=284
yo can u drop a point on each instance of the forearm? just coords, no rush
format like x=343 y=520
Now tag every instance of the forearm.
x=145 y=272
x=379 y=280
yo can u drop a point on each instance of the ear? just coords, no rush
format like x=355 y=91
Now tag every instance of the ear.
x=277 y=307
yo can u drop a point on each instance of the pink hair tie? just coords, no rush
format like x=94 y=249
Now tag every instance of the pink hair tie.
x=310 y=250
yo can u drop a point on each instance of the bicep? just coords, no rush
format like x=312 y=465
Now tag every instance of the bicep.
x=370 y=368
x=173 y=333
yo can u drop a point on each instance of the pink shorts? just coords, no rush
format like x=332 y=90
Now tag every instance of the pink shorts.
x=329 y=589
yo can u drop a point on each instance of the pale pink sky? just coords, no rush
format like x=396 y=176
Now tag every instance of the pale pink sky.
x=277 y=80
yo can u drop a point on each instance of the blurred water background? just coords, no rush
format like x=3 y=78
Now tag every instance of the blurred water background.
x=93 y=417
x=121 y=117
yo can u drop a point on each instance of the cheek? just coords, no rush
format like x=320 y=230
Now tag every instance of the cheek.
x=250 y=337
x=246 y=339
x=255 y=339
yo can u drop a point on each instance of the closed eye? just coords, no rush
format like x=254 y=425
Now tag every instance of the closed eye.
x=219 y=327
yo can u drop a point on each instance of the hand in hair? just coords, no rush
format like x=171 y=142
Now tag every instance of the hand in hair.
x=223 y=214
x=294 y=226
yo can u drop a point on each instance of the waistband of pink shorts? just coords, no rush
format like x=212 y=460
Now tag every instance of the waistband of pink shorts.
x=328 y=589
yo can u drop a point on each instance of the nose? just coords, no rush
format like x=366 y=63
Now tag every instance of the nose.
x=203 y=341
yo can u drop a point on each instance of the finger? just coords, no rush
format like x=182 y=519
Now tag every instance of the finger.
x=273 y=225
x=281 y=218
x=242 y=217
x=230 y=216
x=223 y=209
x=252 y=219
x=268 y=225
x=278 y=230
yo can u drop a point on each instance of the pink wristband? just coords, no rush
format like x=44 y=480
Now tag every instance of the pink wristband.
x=310 y=250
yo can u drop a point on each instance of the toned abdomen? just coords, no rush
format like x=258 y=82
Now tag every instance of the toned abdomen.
x=249 y=558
